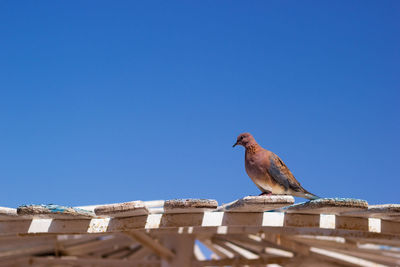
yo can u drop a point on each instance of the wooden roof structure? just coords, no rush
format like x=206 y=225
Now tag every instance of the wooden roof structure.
x=252 y=231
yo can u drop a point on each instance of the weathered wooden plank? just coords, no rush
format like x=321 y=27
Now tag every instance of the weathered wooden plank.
x=119 y=253
x=16 y=262
x=385 y=211
x=216 y=250
x=328 y=206
x=287 y=244
x=223 y=244
x=252 y=242
x=241 y=262
x=189 y=205
x=151 y=243
x=352 y=249
x=96 y=245
x=390 y=227
x=212 y=222
x=126 y=209
x=10 y=214
x=375 y=258
x=343 y=258
x=139 y=253
x=235 y=249
x=68 y=261
x=30 y=250
x=25 y=242
x=70 y=240
x=183 y=246
x=257 y=203
x=355 y=234
x=53 y=212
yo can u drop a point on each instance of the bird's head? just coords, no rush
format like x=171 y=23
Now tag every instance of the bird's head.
x=244 y=139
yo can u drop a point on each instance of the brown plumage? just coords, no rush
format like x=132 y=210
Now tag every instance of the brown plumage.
x=268 y=171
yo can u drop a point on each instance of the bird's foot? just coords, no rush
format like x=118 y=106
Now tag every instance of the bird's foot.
x=265 y=194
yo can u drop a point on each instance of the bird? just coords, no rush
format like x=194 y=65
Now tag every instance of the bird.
x=268 y=171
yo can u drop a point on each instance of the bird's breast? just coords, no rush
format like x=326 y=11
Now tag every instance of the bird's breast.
x=257 y=170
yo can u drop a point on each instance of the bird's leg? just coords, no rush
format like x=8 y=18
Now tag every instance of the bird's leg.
x=266 y=194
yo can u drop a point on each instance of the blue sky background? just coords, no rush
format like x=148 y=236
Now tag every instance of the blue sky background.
x=112 y=101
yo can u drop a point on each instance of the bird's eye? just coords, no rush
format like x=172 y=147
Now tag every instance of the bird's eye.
x=241 y=137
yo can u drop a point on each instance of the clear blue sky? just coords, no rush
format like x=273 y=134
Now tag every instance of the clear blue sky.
x=112 y=101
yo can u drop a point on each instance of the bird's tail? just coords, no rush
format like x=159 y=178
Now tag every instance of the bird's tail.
x=311 y=196
x=306 y=194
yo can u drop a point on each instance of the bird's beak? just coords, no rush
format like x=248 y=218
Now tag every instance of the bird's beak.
x=235 y=144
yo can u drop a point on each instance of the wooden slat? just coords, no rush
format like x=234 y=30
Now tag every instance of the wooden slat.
x=223 y=244
x=243 y=240
x=385 y=211
x=344 y=259
x=16 y=262
x=257 y=244
x=209 y=244
x=152 y=244
x=189 y=205
x=220 y=222
x=139 y=253
x=351 y=249
x=183 y=246
x=54 y=212
x=126 y=209
x=98 y=244
x=67 y=261
x=375 y=258
x=241 y=262
x=287 y=244
x=153 y=206
x=20 y=242
x=257 y=203
x=307 y=250
x=119 y=253
x=328 y=206
x=10 y=214
x=23 y=251
x=241 y=250
x=70 y=240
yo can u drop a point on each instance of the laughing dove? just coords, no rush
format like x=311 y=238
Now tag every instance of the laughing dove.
x=268 y=171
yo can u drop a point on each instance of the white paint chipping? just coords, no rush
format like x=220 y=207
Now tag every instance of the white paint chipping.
x=98 y=225
x=374 y=225
x=327 y=221
x=153 y=221
x=39 y=225
x=212 y=218
x=273 y=219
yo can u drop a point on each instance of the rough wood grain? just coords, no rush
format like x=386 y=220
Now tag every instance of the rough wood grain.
x=241 y=262
x=149 y=242
x=385 y=211
x=189 y=205
x=257 y=203
x=54 y=212
x=328 y=206
x=126 y=209
x=10 y=214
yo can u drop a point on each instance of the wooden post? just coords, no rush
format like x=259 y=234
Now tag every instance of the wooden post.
x=182 y=246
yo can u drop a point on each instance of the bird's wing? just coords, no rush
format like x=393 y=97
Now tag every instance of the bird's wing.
x=282 y=175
